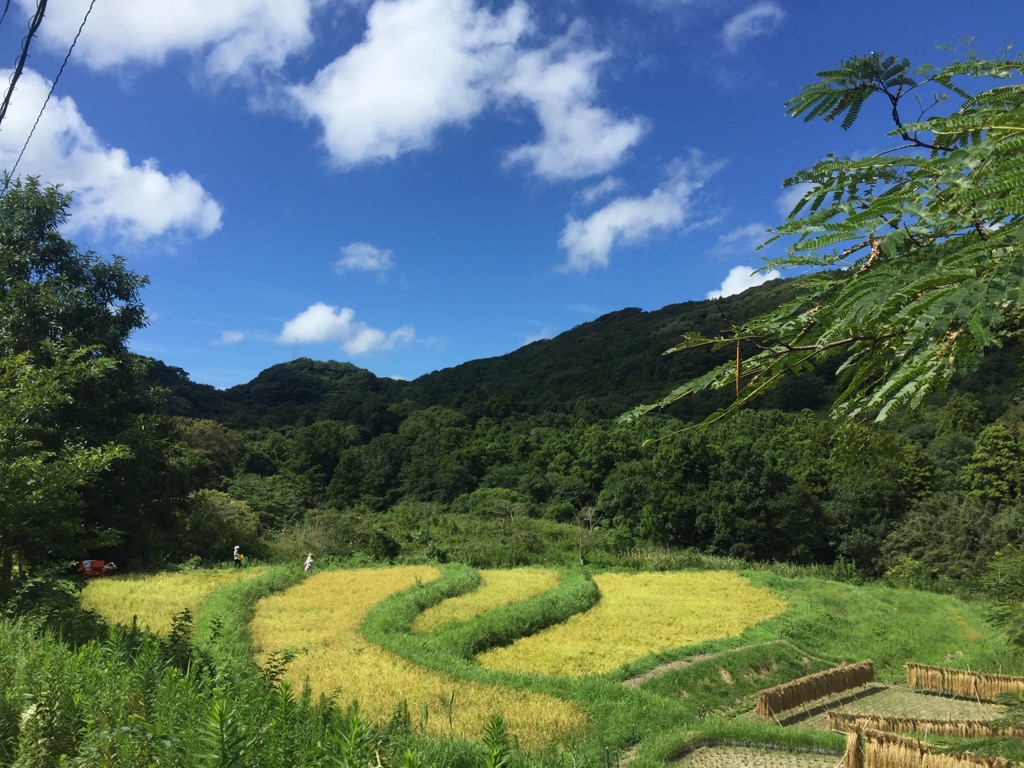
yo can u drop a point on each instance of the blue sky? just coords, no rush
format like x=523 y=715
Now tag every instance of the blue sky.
x=411 y=184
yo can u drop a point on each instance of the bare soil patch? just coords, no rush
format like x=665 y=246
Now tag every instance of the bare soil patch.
x=891 y=700
x=873 y=699
x=755 y=757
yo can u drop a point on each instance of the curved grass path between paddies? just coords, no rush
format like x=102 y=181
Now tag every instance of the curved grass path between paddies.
x=498 y=589
x=322 y=616
x=154 y=599
x=640 y=614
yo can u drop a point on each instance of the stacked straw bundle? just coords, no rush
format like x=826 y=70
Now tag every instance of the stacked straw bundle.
x=962 y=683
x=771 y=701
x=966 y=729
x=887 y=750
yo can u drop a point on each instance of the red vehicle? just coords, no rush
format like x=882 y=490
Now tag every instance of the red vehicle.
x=91 y=568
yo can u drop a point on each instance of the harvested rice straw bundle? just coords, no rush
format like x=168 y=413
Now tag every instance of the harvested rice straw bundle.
x=853 y=757
x=962 y=682
x=846 y=721
x=888 y=750
x=771 y=701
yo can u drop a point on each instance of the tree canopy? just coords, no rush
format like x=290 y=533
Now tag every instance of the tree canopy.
x=78 y=426
x=914 y=255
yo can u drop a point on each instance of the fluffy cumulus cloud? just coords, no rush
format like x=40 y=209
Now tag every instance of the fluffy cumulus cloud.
x=762 y=18
x=235 y=37
x=742 y=277
x=321 y=322
x=579 y=139
x=113 y=195
x=422 y=65
x=629 y=220
x=363 y=257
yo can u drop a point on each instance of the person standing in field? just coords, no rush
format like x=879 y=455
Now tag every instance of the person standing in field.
x=308 y=568
x=236 y=556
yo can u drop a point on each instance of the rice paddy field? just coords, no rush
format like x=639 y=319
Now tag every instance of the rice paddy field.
x=647 y=665
x=153 y=599
x=320 y=620
x=499 y=588
x=640 y=614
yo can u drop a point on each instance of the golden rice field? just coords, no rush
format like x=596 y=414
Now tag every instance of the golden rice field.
x=640 y=614
x=322 y=616
x=499 y=589
x=155 y=598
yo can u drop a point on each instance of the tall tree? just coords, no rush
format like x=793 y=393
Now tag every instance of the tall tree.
x=915 y=254
x=79 y=432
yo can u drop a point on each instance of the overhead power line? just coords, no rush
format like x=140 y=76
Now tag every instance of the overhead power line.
x=3 y=16
x=33 y=27
x=53 y=86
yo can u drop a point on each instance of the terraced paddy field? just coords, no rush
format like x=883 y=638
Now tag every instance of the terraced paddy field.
x=320 y=619
x=891 y=701
x=153 y=599
x=755 y=757
x=640 y=614
x=660 y=660
x=498 y=589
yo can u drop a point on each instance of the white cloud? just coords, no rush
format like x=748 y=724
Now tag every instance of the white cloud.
x=363 y=257
x=740 y=279
x=111 y=194
x=578 y=138
x=322 y=322
x=422 y=65
x=234 y=37
x=227 y=338
x=761 y=18
x=743 y=239
x=630 y=220
x=603 y=188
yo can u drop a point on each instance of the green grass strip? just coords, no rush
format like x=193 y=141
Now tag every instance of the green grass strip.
x=222 y=623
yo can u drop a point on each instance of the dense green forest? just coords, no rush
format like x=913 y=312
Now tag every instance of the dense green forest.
x=326 y=456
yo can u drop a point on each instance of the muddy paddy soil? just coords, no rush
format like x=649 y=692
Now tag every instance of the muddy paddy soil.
x=873 y=699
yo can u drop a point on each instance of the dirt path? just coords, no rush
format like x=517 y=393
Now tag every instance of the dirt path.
x=661 y=669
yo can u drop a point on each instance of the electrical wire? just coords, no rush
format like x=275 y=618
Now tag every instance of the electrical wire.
x=33 y=27
x=7 y=7
x=53 y=86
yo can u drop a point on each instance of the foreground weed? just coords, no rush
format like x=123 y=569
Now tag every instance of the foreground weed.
x=322 y=616
x=640 y=614
x=152 y=600
x=499 y=588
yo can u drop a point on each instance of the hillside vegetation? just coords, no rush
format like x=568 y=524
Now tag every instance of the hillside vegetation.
x=522 y=460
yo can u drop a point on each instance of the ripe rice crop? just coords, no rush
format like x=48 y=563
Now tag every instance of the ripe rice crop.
x=640 y=614
x=155 y=599
x=499 y=588
x=322 y=615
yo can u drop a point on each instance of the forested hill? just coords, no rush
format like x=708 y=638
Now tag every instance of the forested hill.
x=597 y=370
